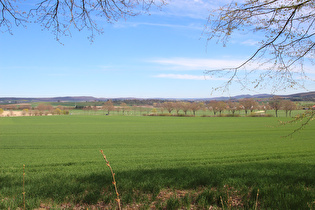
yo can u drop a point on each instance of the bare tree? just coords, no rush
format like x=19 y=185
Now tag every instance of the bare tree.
x=239 y=108
x=232 y=106
x=26 y=106
x=94 y=108
x=108 y=106
x=185 y=106
x=123 y=107
x=212 y=105
x=178 y=106
x=221 y=106
x=265 y=107
x=62 y=16
x=288 y=106
x=160 y=106
x=169 y=106
x=248 y=104
x=44 y=107
x=202 y=106
x=194 y=107
x=288 y=29
x=275 y=103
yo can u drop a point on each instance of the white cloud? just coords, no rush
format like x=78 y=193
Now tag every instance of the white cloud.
x=186 y=77
x=250 y=42
x=199 y=64
x=196 y=63
x=197 y=9
x=136 y=24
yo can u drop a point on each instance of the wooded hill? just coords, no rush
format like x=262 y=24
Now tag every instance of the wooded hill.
x=306 y=96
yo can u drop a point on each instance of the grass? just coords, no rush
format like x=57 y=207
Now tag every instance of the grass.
x=207 y=158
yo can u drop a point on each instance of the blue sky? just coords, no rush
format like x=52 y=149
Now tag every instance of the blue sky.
x=159 y=55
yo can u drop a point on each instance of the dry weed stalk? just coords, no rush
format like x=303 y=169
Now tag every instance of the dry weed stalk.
x=23 y=185
x=222 y=202
x=114 y=182
x=257 y=200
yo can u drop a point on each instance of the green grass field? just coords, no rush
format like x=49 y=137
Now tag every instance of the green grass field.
x=205 y=159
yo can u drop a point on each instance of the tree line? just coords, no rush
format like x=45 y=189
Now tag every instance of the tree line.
x=248 y=106
x=218 y=107
x=39 y=110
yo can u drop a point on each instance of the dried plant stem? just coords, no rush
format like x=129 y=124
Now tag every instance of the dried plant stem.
x=23 y=186
x=114 y=182
x=222 y=202
x=257 y=200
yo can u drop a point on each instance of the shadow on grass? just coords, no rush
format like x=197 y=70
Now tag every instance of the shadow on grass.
x=282 y=185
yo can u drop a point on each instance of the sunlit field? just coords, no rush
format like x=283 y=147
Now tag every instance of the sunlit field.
x=159 y=162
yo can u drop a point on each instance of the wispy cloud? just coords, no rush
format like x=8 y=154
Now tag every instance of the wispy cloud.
x=197 y=9
x=183 y=64
x=250 y=42
x=186 y=77
x=193 y=9
x=191 y=26
x=199 y=64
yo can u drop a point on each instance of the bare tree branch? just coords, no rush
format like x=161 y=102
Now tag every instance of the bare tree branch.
x=63 y=16
x=289 y=32
x=8 y=12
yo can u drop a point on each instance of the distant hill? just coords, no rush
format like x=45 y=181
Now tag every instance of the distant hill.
x=54 y=99
x=306 y=96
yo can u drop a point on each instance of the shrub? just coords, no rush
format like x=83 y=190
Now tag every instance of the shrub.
x=58 y=111
x=232 y=115
x=65 y=112
x=25 y=111
x=183 y=115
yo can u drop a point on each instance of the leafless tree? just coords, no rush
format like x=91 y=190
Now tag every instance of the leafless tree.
x=194 y=107
x=123 y=107
x=160 y=106
x=288 y=106
x=178 y=106
x=239 y=108
x=169 y=106
x=249 y=104
x=221 y=106
x=43 y=107
x=232 y=106
x=265 y=106
x=275 y=103
x=62 y=16
x=26 y=106
x=94 y=108
x=108 y=106
x=185 y=106
x=87 y=109
x=288 y=41
x=212 y=105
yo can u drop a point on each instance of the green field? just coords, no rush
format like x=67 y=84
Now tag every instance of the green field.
x=205 y=159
